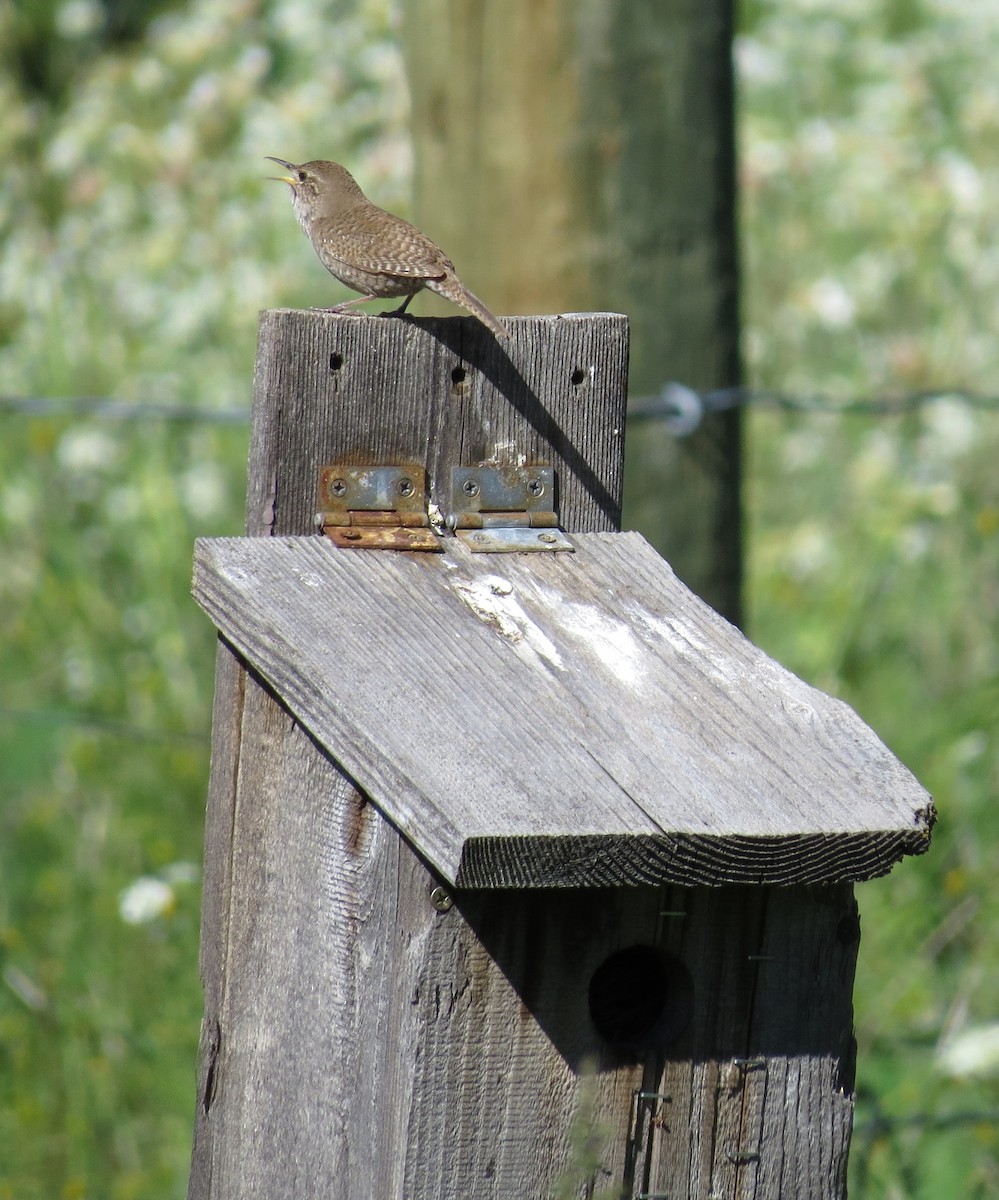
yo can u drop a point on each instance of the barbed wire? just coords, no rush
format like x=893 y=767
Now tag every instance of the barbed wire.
x=681 y=409
x=98 y=724
x=880 y=1124
x=105 y=408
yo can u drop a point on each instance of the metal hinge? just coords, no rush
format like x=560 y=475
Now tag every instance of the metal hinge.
x=379 y=508
x=505 y=509
x=492 y=509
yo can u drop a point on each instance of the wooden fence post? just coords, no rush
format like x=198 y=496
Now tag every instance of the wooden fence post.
x=526 y=875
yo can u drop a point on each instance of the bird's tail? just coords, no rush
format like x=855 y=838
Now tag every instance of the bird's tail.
x=451 y=288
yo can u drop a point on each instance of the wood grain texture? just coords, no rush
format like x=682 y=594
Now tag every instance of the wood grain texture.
x=439 y=391
x=357 y=1043
x=227 y=724
x=572 y=719
x=370 y=1046
x=758 y=1093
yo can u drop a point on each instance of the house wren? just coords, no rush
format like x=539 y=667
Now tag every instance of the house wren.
x=367 y=248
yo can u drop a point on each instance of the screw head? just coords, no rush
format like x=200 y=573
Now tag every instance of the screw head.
x=536 y=487
x=441 y=899
x=470 y=487
x=338 y=487
x=404 y=486
x=547 y=538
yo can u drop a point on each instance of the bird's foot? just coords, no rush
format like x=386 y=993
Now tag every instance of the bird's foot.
x=398 y=312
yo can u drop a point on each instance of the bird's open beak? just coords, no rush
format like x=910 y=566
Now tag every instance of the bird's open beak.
x=287 y=166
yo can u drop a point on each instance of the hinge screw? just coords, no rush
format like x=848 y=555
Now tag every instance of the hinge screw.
x=441 y=899
x=404 y=487
x=536 y=487
x=338 y=487
x=547 y=538
x=470 y=487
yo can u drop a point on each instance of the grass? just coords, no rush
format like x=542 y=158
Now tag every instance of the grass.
x=870 y=581
x=104 y=738
x=868 y=151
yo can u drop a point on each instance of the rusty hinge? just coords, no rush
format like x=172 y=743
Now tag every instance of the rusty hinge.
x=376 y=507
x=505 y=509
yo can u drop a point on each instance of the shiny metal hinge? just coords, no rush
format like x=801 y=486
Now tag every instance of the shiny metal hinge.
x=505 y=509
x=376 y=508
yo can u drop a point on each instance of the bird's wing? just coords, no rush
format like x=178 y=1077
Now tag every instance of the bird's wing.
x=386 y=245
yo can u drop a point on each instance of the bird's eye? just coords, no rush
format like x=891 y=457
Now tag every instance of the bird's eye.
x=302 y=177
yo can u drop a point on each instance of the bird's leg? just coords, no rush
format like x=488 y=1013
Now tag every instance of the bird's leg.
x=346 y=304
x=392 y=312
x=397 y=312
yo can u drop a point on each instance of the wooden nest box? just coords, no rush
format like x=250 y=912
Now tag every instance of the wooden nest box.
x=527 y=875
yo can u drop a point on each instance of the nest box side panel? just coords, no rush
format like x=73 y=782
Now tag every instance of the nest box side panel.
x=756 y=1097
x=367 y=1036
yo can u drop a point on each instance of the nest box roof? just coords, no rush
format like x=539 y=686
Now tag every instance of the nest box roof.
x=562 y=719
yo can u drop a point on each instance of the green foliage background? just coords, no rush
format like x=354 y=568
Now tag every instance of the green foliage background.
x=137 y=242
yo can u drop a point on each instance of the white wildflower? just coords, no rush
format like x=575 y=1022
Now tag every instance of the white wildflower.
x=145 y=900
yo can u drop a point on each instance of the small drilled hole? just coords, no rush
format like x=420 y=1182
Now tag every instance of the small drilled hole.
x=640 y=997
x=458 y=375
x=578 y=376
x=336 y=362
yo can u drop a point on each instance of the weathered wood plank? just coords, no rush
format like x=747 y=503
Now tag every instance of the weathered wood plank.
x=373 y=1046
x=572 y=719
x=227 y=718
x=325 y=987
x=442 y=392
x=755 y=1099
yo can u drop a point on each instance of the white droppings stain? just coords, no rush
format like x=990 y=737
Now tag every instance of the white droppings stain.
x=492 y=600
x=608 y=638
x=506 y=454
x=675 y=631
x=605 y=637
x=437 y=522
x=309 y=579
x=498 y=585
